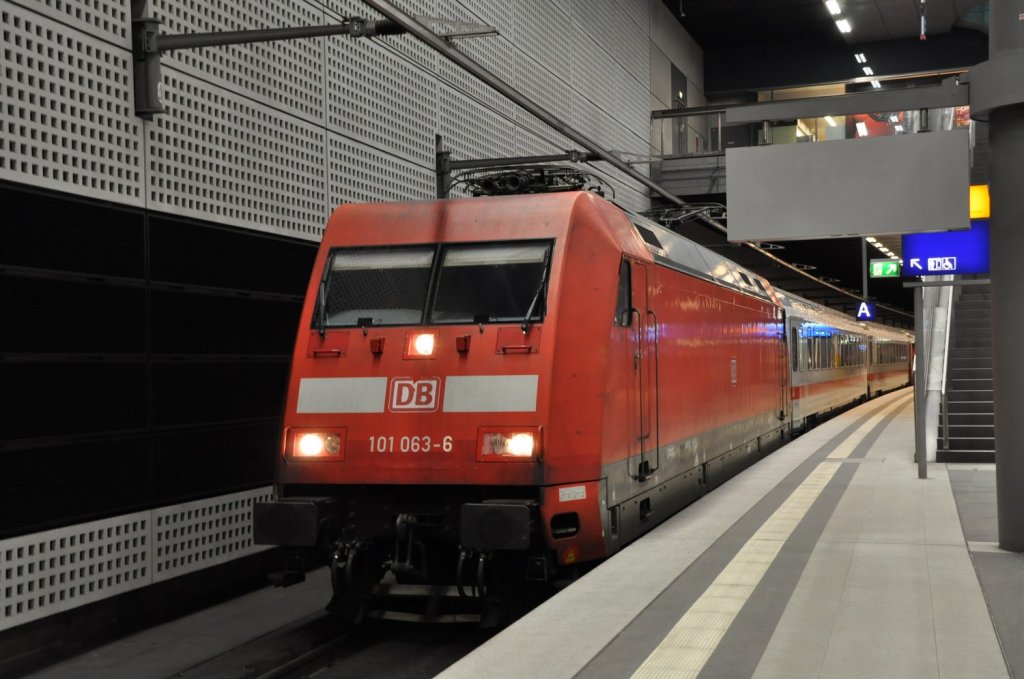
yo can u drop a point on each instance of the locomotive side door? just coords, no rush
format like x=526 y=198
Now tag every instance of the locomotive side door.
x=645 y=371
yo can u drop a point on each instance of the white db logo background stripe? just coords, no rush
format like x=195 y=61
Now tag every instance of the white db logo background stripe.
x=342 y=395
x=475 y=394
x=491 y=394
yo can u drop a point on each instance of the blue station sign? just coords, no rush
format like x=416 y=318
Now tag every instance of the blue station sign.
x=948 y=252
x=865 y=311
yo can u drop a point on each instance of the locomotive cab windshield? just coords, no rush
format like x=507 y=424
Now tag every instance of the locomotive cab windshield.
x=434 y=284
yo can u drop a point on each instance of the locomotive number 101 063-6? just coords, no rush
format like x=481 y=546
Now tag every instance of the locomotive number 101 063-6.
x=410 y=444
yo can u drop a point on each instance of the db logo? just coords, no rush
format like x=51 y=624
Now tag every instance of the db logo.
x=418 y=395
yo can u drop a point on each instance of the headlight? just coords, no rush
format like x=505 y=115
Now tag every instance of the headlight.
x=317 y=444
x=420 y=345
x=506 y=443
x=311 y=445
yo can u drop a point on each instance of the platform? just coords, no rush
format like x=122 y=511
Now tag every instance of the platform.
x=829 y=558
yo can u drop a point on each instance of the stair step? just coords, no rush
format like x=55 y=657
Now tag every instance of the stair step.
x=958 y=383
x=965 y=455
x=958 y=361
x=974 y=407
x=973 y=333
x=974 y=395
x=986 y=420
x=969 y=373
x=970 y=431
x=973 y=352
x=979 y=443
x=973 y=342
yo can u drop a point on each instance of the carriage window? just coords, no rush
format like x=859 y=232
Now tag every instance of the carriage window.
x=623 y=306
x=492 y=283
x=376 y=286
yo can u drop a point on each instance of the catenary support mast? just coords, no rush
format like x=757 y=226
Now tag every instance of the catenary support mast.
x=997 y=95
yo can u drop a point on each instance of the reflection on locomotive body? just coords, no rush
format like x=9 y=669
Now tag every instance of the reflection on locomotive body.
x=492 y=391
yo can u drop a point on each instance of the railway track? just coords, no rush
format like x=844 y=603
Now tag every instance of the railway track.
x=322 y=647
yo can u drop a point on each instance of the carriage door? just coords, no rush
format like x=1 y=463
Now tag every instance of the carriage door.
x=645 y=372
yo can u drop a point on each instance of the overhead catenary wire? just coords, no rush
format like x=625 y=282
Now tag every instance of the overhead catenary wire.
x=435 y=42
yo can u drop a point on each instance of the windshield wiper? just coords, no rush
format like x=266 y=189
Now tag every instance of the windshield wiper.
x=537 y=295
x=321 y=301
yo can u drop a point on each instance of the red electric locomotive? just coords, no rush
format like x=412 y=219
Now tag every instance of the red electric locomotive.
x=488 y=391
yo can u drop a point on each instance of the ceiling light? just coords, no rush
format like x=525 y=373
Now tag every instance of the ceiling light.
x=894 y=258
x=868 y=70
x=862 y=129
x=831 y=121
x=844 y=26
x=833 y=7
x=871 y=239
x=876 y=84
x=861 y=59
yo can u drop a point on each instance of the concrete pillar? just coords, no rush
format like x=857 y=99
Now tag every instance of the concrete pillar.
x=997 y=95
x=1006 y=136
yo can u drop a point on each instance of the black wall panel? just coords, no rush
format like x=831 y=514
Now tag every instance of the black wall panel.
x=60 y=316
x=188 y=393
x=47 y=231
x=191 y=253
x=39 y=400
x=186 y=323
x=214 y=461
x=143 y=358
x=63 y=484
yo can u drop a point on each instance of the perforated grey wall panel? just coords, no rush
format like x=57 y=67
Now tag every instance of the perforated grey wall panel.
x=271 y=136
x=109 y=20
x=57 y=570
x=639 y=13
x=385 y=101
x=286 y=74
x=204 y=533
x=361 y=174
x=65 y=118
x=220 y=156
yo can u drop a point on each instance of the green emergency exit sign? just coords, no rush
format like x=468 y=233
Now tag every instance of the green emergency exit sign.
x=885 y=268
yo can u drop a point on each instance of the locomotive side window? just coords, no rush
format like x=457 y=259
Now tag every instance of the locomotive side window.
x=376 y=286
x=503 y=282
x=623 y=303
